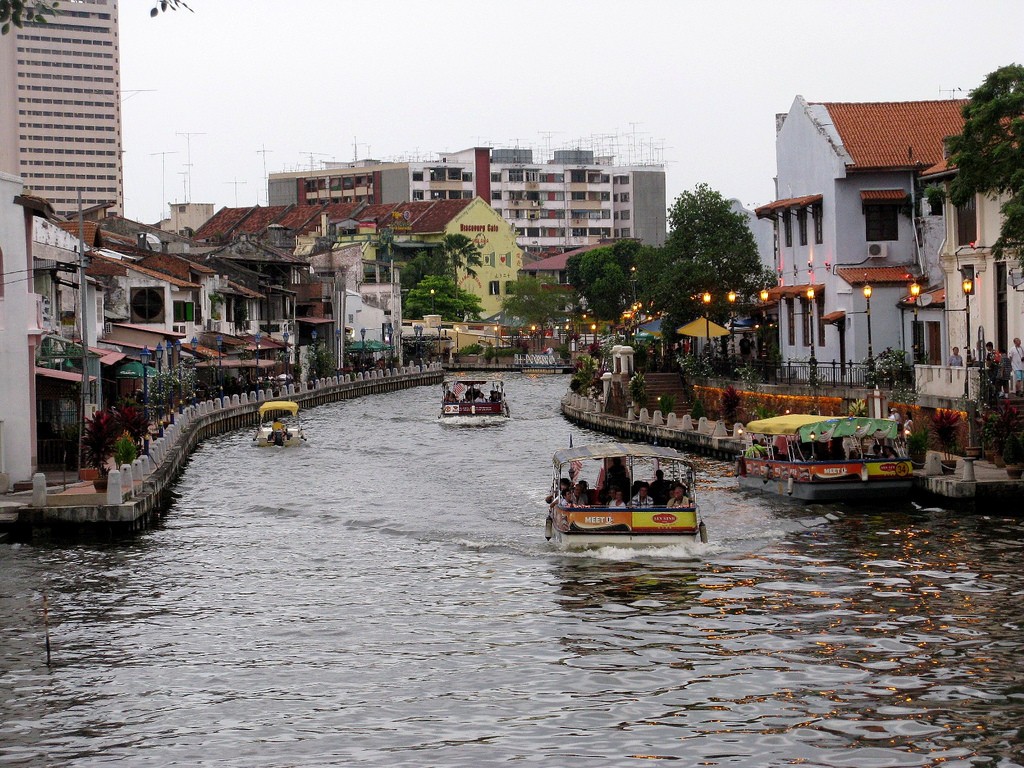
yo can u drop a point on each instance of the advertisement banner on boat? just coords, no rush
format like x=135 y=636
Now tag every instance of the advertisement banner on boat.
x=838 y=471
x=889 y=469
x=665 y=520
x=599 y=519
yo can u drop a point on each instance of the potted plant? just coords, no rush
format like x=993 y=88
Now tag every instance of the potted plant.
x=125 y=451
x=638 y=390
x=1013 y=455
x=667 y=404
x=730 y=404
x=917 y=445
x=98 y=438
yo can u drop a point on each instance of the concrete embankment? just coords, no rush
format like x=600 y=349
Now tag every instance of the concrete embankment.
x=136 y=493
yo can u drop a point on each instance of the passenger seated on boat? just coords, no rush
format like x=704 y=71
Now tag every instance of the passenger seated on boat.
x=617 y=499
x=888 y=452
x=660 y=489
x=642 y=497
x=876 y=451
x=450 y=397
x=678 y=497
x=781 y=447
x=564 y=484
x=495 y=396
x=756 y=449
x=582 y=494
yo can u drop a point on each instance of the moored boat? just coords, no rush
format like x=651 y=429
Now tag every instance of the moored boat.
x=279 y=425
x=473 y=402
x=816 y=458
x=604 y=510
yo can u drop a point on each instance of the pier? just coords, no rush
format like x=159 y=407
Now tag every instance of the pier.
x=136 y=493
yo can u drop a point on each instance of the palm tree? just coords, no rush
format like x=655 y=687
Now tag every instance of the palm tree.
x=459 y=252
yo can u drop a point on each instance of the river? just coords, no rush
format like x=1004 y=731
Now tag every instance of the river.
x=384 y=596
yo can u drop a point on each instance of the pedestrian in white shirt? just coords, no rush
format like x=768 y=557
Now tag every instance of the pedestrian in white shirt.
x=1017 y=366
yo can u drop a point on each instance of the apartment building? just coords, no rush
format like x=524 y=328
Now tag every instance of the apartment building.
x=60 y=86
x=571 y=200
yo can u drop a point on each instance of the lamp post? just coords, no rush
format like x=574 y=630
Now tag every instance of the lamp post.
x=158 y=355
x=431 y=301
x=220 y=366
x=181 y=391
x=259 y=338
x=533 y=338
x=812 y=377
x=706 y=298
x=195 y=349
x=145 y=355
x=731 y=296
x=311 y=368
x=867 y=312
x=915 y=292
x=967 y=285
x=287 y=359
x=418 y=331
x=362 y=349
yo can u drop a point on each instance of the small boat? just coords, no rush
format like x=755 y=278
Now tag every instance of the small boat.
x=473 y=402
x=817 y=458
x=587 y=517
x=279 y=425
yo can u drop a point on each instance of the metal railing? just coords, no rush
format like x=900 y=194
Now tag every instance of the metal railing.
x=821 y=374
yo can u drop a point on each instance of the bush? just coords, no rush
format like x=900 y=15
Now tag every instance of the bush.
x=125 y=451
x=98 y=440
x=946 y=424
x=471 y=349
x=666 y=404
x=730 y=403
x=638 y=390
x=917 y=441
x=1013 y=451
x=697 y=411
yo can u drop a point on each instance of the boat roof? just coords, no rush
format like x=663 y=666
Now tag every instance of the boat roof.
x=608 y=450
x=279 y=405
x=471 y=381
x=824 y=428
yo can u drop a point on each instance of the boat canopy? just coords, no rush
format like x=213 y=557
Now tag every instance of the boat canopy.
x=609 y=450
x=824 y=429
x=279 y=405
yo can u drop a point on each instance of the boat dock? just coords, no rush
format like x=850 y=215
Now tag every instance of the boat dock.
x=972 y=482
x=136 y=493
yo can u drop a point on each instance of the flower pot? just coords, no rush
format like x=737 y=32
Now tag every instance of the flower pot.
x=100 y=483
x=990 y=456
x=999 y=460
x=1013 y=471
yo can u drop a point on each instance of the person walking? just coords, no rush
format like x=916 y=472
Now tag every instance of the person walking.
x=1017 y=366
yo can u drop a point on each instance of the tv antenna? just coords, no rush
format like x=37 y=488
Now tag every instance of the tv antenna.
x=163 y=178
x=236 y=182
x=188 y=161
x=266 y=183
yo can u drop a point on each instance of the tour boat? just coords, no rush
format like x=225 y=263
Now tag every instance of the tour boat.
x=279 y=425
x=816 y=458
x=578 y=522
x=473 y=402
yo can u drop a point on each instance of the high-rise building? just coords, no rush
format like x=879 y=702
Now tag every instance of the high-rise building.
x=571 y=200
x=60 y=85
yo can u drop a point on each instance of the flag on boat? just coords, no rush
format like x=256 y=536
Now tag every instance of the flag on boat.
x=575 y=468
x=459 y=388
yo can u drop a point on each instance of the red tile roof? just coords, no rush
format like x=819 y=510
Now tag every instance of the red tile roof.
x=883 y=195
x=221 y=223
x=769 y=209
x=789 y=291
x=90 y=230
x=901 y=134
x=875 y=275
x=259 y=219
x=833 y=317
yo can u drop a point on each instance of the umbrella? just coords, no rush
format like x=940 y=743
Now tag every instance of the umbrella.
x=702 y=328
x=653 y=328
x=133 y=370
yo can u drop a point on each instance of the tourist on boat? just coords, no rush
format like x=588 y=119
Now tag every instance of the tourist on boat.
x=564 y=485
x=582 y=494
x=756 y=449
x=617 y=475
x=678 y=497
x=660 y=489
x=642 y=498
x=617 y=499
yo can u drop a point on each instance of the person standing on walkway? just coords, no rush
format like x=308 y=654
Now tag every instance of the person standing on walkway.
x=1017 y=366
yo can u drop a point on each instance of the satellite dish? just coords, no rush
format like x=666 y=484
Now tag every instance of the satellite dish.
x=924 y=299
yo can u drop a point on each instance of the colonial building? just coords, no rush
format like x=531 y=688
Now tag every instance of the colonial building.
x=572 y=199
x=848 y=229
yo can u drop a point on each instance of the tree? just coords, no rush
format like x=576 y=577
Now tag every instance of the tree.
x=989 y=152
x=459 y=252
x=21 y=12
x=536 y=301
x=602 y=276
x=709 y=249
x=448 y=300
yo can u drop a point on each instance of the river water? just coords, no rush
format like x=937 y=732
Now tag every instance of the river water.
x=384 y=596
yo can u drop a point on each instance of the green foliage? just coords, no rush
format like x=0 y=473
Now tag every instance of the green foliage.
x=858 y=408
x=448 y=301
x=989 y=152
x=694 y=366
x=935 y=195
x=763 y=411
x=666 y=404
x=638 y=390
x=917 y=441
x=474 y=349
x=131 y=421
x=697 y=411
x=583 y=379
x=536 y=301
x=751 y=377
x=320 y=361
x=945 y=424
x=708 y=243
x=21 y=12
x=125 y=451
x=602 y=277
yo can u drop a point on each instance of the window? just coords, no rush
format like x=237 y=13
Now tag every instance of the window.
x=881 y=222
x=496 y=177
x=577 y=177
x=496 y=195
x=625 y=232
x=184 y=312
x=579 y=195
x=624 y=215
x=417 y=194
x=624 y=197
x=791 y=322
x=966 y=223
x=801 y=224
x=494 y=288
x=515 y=174
x=532 y=175
x=147 y=305
x=787 y=225
x=437 y=194
x=467 y=176
x=816 y=214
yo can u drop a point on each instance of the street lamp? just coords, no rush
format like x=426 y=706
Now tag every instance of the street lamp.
x=259 y=338
x=418 y=331
x=706 y=298
x=731 y=296
x=431 y=301
x=287 y=359
x=220 y=366
x=915 y=292
x=967 y=285
x=867 y=312
x=362 y=348
x=145 y=355
x=195 y=379
x=764 y=294
x=158 y=355
x=533 y=338
x=810 y=314
x=177 y=352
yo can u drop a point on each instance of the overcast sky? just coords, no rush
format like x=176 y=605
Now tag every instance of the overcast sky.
x=696 y=85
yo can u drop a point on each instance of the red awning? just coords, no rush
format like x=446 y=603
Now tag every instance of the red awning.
x=769 y=210
x=883 y=195
x=789 y=291
x=834 y=317
x=51 y=373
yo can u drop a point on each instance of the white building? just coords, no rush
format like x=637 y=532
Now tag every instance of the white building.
x=573 y=199
x=847 y=217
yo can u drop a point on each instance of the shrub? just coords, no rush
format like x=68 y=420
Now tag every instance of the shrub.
x=730 y=403
x=666 y=404
x=858 y=408
x=917 y=441
x=697 y=411
x=471 y=349
x=98 y=440
x=945 y=424
x=1013 y=451
x=131 y=420
x=125 y=451
x=638 y=390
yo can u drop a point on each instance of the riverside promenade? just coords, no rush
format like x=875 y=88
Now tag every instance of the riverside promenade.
x=136 y=493
x=973 y=483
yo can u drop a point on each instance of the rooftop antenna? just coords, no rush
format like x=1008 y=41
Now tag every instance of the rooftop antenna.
x=311 y=154
x=184 y=183
x=949 y=91
x=236 y=182
x=263 y=152
x=163 y=177
x=188 y=161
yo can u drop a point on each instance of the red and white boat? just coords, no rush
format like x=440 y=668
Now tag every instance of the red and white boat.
x=473 y=402
x=817 y=458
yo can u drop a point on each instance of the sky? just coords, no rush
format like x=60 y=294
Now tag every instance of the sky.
x=215 y=99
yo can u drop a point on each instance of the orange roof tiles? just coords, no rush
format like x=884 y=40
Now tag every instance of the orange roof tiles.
x=221 y=223
x=883 y=195
x=90 y=231
x=789 y=291
x=878 y=275
x=768 y=209
x=897 y=134
x=833 y=317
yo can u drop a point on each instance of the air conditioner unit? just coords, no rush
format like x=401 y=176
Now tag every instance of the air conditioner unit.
x=878 y=250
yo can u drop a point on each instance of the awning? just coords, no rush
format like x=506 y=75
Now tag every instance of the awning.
x=771 y=209
x=875 y=275
x=234 y=362
x=702 y=327
x=789 y=291
x=370 y=346
x=834 y=317
x=52 y=373
x=883 y=195
x=316 y=320
x=133 y=370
